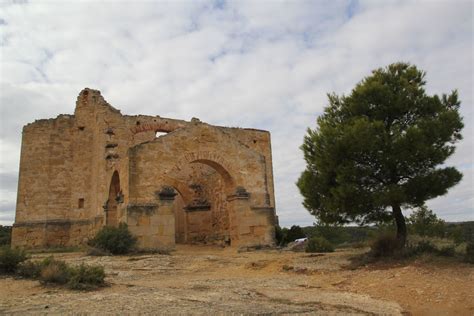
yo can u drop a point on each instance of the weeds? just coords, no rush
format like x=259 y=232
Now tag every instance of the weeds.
x=52 y=271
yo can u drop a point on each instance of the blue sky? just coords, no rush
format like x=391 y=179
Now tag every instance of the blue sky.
x=260 y=64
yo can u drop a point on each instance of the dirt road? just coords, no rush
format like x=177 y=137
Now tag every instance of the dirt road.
x=208 y=280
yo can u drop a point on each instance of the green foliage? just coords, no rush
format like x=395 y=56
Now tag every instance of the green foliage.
x=86 y=277
x=281 y=235
x=116 y=240
x=424 y=222
x=10 y=258
x=5 y=235
x=284 y=235
x=30 y=269
x=424 y=246
x=456 y=233
x=52 y=271
x=469 y=257
x=295 y=232
x=447 y=251
x=336 y=235
x=319 y=244
x=379 y=149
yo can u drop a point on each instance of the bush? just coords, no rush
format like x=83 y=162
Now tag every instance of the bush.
x=425 y=246
x=55 y=271
x=336 y=235
x=116 y=240
x=30 y=269
x=86 y=277
x=319 y=244
x=10 y=259
x=469 y=257
x=384 y=246
x=50 y=270
x=447 y=251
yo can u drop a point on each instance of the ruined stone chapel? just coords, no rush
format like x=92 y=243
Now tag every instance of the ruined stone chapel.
x=171 y=181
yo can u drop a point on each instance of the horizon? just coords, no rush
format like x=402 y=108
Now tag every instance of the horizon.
x=252 y=65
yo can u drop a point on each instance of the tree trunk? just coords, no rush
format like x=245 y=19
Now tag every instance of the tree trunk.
x=401 y=226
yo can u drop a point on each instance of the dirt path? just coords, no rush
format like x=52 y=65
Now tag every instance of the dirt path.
x=206 y=280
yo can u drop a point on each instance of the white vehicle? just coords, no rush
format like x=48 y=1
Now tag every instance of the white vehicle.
x=300 y=240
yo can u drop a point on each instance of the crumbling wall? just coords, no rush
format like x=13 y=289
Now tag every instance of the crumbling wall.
x=67 y=164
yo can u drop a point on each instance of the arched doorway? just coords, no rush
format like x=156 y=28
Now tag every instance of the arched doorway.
x=202 y=211
x=113 y=201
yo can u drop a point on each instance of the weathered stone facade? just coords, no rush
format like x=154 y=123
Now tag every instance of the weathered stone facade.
x=197 y=183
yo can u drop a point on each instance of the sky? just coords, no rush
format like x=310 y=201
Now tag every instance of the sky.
x=260 y=64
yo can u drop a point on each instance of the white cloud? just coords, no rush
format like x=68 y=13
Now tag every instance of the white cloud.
x=266 y=65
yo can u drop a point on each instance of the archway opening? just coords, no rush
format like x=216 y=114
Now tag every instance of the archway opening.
x=202 y=210
x=113 y=201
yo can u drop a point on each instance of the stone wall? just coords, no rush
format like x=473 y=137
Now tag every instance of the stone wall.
x=67 y=165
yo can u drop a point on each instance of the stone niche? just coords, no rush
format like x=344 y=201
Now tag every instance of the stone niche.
x=172 y=181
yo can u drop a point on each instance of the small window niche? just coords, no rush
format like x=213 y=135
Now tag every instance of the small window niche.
x=80 y=203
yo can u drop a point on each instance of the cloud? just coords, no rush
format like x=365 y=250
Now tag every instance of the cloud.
x=266 y=65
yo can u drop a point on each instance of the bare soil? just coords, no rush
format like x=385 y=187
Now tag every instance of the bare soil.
x=202 y=280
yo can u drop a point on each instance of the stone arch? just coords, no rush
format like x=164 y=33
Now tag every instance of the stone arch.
x=115 y=197
x=179 y=186
x=213 y=160
x=197 y=222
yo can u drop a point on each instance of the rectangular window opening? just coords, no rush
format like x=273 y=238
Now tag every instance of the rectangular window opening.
x=81 y=203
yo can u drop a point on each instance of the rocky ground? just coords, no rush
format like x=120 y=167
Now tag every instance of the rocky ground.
x=209 y=280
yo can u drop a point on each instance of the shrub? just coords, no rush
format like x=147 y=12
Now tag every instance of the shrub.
x=30 y=269
x=50 y=270
x=336 y=235
x=384 y=246
x=425 y=246
x=319 y=244
x=469 y=252
x=54 y=271
x=281 y=235
x=295 y=232
x=10 y=259
x=116 y=240
x=86 y=277
x=447 y=251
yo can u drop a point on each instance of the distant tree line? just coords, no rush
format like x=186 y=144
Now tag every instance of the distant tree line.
x=5 y=235
x=422 y=222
